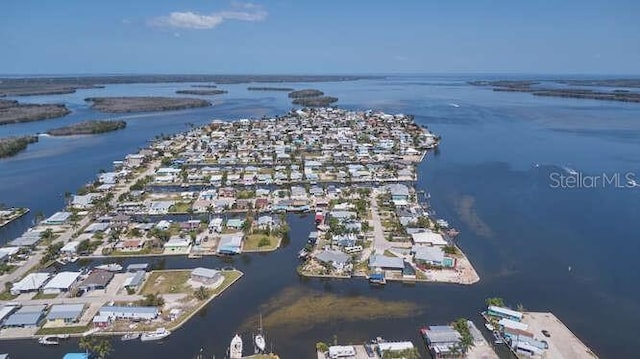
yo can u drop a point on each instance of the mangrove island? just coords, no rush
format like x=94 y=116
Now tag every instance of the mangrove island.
x=88 y=128
x=144 y=104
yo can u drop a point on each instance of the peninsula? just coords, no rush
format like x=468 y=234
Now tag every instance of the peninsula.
x=14 y=112
x=201 y=92
x=10 y=146
x=144 y=104
x=88 y=128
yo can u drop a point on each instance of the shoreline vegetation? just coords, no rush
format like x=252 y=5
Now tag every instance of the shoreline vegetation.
x=11 y=146
x=311 y=98
x=579 y=93
x=144 y=104
x=91 y=127
x=201 y=92
x=267 y=88
x=12 y=111
x=11 y=86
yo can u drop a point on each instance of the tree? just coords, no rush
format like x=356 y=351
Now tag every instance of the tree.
x=201 y=293
x=496 y=301
x=322 y=347
x=101 y=348
x=152 y=300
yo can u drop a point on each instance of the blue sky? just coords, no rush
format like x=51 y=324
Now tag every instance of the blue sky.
x=328 y=36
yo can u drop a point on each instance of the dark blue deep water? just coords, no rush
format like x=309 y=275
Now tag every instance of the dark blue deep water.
x=491 y=178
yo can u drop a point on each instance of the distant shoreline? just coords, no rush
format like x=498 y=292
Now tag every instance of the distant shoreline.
x=144 y=104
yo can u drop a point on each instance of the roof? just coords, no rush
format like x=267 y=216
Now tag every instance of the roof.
x=205 y=272
x=26 y=240
x=442 y=334
x=62 y=280
x=18 y=319
x=505 y=311
x=429 y=237
x=6 y=310
x=333 y=256
x=429 y=254
x=135 y=280
x=132 y=309
x=137 y=267
x=65 y=311
x=177 y=242
x=231 y=240
x=95 y=227
x=382 y=261
x=395 y=346
x=235 y=222
x=398 y=189
x=70 y=247
x=97 y=278
x=32 y=281
x=58 y=217
x=512 y=324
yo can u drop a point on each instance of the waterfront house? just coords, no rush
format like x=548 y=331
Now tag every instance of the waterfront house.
x=206 y=276
x=341 y=351
x=130 y=245
x=266 y=222
x=428 y=237
x=101 y=321
x=501 y=312
x=28 y=316
x=135 y=280
x=84 y=201
x=378 y=262
x=337 y=259
x=441 y=340
x=61 y=282
x=64 y=314
x=28 y=239
x=70 y=248
x=235 y=223
x=30 y=283
x=177 y=244
x=215 y=225
x=58 y=218
x=160 y=207
x=129 y=312
x=230 y=243
x=97 y=280
x=388 y=348
x=399 y=194
x=434 y=256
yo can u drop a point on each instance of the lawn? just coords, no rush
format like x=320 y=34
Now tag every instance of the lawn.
x=180 y=207
x=41 y=295
x=388 y=253
x=167 y=282
x=256 y=242
x=229 y=277
x=6 y=295
x=62 y=330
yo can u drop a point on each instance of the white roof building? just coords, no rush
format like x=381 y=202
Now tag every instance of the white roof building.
x=32 y=282
x=70 y=247
x=61 y=282
x=428 y=237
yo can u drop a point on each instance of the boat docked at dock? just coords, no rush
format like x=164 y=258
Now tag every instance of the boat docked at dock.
x=157 y=334
x=111 y=267
x=130 y=336
x=48 y=340
x=235 y=349
x=259 y=340
x=378 y=279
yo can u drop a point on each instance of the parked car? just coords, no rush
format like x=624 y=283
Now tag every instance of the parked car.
x=546 y=333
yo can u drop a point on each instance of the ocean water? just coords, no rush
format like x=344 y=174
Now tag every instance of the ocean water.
x=492 y=178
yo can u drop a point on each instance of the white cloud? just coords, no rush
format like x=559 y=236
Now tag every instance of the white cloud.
x=194 y=20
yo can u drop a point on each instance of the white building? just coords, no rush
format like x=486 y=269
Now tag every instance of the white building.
x=61 y=282
x=30 y=283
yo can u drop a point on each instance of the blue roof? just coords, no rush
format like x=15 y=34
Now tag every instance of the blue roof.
x=76 y=356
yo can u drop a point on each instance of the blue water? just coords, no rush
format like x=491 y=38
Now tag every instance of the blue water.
x=490 y=178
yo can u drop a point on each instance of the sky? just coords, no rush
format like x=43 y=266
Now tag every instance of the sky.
x=320 y=37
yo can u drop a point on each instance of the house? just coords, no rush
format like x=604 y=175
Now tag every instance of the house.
x=96 y=227
x=84 y=201
x=70 y=248
x=434 y=256
x=132 y=313
x=206 y=276
x=428 y=237
x=177 y=244
x=160 y=207
x=382 y=262
x=230 y=243
x=130 y=245
x=235 y=223
x=65 y=313
x=507 y=313
x=342 y=351
x=215 y=225
x=137 y=267
x=28 y=316
x=399 y=194
x=58 y=218
x=266 y=222
x=441 y=340
x=261 y=203
x=338 y=259
x=134 y=281
x=61 y=282
x=97 y=279
x=386 y=347
x=30 y=283
x=101 y=321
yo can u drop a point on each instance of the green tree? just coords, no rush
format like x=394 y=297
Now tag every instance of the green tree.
x=496 y=301
x=101 y=348
x=152 y=300
x=201 y=293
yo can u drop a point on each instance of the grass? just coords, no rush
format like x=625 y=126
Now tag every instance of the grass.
x=41 y=295
x=137 y=253
x=255 y=242
x=167 y=282
x=229 y=277
x=388 y=253
x=180 y=207
x=6 y=295
x=62 y=330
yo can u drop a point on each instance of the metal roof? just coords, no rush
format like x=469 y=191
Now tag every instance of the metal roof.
x=381 y=261
x=205 y=272
x=62 y=280
x=65 y=311
x=21 y=319
x=32 y=281
x=333 y=256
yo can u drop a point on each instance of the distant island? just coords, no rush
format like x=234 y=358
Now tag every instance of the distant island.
x=144 y=104
x=205 y=86
x=270 y=89
x=13 y=112
x=27 y=88
x=10 y=146
x=311 y=98
x=527 y=86
x=201 y=92
x=91 y=127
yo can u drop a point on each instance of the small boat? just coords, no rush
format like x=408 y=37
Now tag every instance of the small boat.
x=158 y=334
x=259 y=340
x=489 y=327
x=63 y=336
x=73 y=259
x=130 y=336
x=377 y=278
x=235 y=349
x=48 y=340
x=303 y=254
x=111 y=267
x=442 y=223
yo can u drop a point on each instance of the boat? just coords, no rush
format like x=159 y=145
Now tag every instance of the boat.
x=259 y=340
x=73 y=259
x=303 y=254
x=489 y=327
x=377 y=278
x=63 y=336
x=48 y=340
x=442 y=223
x=130 y=336
x=157 y=334
x=235 y=349
x=111 y=267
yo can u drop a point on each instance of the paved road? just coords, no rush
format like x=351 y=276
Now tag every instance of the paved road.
x=380 y=244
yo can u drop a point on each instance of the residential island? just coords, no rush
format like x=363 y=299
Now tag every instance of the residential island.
x=236 y=181
x=144 y=104
x=14 y=112
x=91 y=127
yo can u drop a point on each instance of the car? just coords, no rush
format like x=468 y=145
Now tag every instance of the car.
x=546 y=345
x=546 y=333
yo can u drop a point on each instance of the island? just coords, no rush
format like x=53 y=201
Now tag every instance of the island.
x=536 y=88
x=201 y=92
x=88 y=128
x=267 y=88
x=144 y=104
x=205 y=86
x=10 y=146
x=311 y=98
x=14 y=112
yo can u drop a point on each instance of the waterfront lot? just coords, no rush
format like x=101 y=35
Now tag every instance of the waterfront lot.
x=563 y=344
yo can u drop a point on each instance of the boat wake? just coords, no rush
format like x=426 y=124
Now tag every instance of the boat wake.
x=454 y=105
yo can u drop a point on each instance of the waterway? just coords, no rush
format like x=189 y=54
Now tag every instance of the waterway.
x=492 y=178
